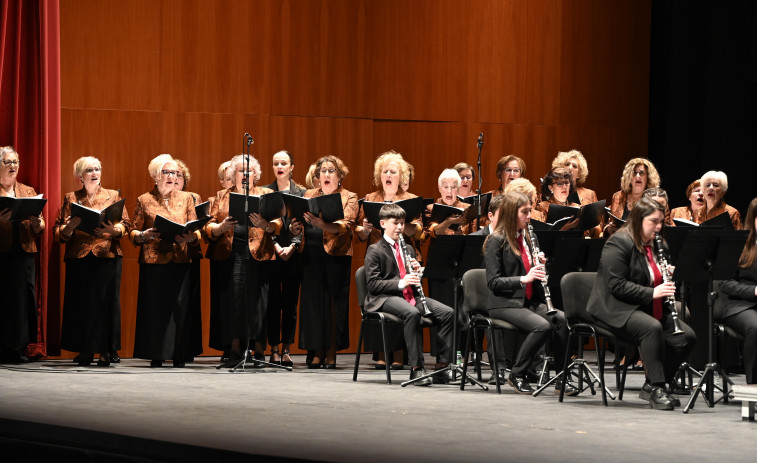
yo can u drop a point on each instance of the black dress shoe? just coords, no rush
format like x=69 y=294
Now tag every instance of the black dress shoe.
x=114 y=358
x=286 y=363
x=178 y=364
x=380 y=366
x=329 y=366
x=443 y=377
x=84 y=360
x=397 y=366
x=417 y=373
x=493 y=379
x=646 y=391
x=104 y=361
x=520 y=384
x=532 y=376
x=660 y=400
x=156 y=363
x=675 y=400
x=678 y=389
x=570 y=389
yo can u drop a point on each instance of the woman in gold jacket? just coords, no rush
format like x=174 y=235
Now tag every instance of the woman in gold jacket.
x=18 y=311
x=92 y=298
x=247 y=247
x=164 y=268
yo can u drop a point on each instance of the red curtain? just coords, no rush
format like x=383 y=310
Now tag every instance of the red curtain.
x=30 y=122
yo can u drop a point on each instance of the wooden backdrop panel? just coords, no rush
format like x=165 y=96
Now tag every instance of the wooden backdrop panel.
x=110 y=54
x=353 y=79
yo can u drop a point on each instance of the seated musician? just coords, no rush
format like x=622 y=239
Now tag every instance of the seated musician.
x=628 y=296
x=740 y=309
x=515 y=292
x=392 y=289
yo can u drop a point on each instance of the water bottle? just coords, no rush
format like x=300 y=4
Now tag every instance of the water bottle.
x=459 y=358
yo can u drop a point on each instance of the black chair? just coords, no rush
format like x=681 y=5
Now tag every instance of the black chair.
x=384 y=320
x=576 y=289
x=476 y=292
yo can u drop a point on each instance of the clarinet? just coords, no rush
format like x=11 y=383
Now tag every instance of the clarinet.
x=535 y=251
x=409 y=269
x=669 y=302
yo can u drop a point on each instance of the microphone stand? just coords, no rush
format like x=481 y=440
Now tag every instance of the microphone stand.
x=480 y=145
x=241 y=363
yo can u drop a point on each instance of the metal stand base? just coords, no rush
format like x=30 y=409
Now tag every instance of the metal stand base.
x=584 y=372
x=708 y=380
x=455 y=369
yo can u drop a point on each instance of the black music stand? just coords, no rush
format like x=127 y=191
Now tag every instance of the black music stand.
x=708 y=255
x=449 y=257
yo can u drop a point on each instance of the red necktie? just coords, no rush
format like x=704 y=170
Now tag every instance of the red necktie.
x=408 y=291
x=657 y=303
x=526 y=265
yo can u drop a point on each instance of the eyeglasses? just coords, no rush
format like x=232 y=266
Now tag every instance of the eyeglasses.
x=466 y=177
x=562 y=183
x=92 y=170
x=512 y=171
x=328 y=171
x=175 y=173
x=640 y=173
x=8 y=163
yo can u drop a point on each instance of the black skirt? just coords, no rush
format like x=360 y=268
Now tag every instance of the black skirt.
x=324 y=300
x=18 y=310
x=221 y=296
x=92 y=305
x=162 y=308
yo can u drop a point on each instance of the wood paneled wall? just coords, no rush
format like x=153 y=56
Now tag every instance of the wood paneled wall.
x=351 y=78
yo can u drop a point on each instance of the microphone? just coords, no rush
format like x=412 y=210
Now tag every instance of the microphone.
x=249 y=139
x=480 y=143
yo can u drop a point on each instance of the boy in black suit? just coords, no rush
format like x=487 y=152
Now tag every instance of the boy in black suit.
x=392 y=289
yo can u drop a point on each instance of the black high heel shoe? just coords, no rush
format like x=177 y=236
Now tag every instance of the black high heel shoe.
x=289 y=362
x=85 y=359
x=272 y=359
x=104 y=360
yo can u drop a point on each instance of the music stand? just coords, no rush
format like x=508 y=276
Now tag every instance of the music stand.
x=708 y=255
x=449 y=257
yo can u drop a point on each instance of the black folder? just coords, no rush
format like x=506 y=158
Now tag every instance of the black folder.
x=270 y=206
x=485 y=199
x=169 y=229
x=329 y=205
x=93 y=218
x=413 y=208
x=589 y=216
x=719 y=221
x=543 y=226
x=23 y=208
x=202 y=209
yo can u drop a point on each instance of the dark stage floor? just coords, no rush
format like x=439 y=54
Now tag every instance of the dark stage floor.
x=130 y=412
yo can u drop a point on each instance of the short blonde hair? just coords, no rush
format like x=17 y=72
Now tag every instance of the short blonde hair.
x=239 y=160
x=653 y=178
x=6 y=150
x=156 y=165
x=81 y=164
x=522 y=185
x=222 y=170
x=721 y=177
x=449 y=174
x=583 y=168
x=384 y=159
x=184 y=171
x=310 y=176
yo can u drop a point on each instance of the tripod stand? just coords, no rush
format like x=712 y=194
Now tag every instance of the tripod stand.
x=449 y=257
x=713 y=254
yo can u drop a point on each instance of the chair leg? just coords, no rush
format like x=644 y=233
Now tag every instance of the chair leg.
x=601 y=362
x=564 y=372
x=465 y=356
x=386 y=353
x=359 y=348
x=490 y=333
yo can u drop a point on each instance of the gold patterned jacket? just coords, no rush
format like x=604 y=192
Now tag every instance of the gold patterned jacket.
x=703 y=215
x=339 y=243
x=260 y=242
x=178 y=207
x=26 y=234
x=79 y=244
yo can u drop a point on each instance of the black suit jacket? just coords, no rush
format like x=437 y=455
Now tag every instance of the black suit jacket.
x=382 y=274
x=623 y=283
x=503 y=272
x=284 y=238
x=740 y=291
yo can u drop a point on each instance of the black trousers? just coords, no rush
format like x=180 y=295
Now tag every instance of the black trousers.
x=540 y=328
x=745 y=322
x=411 y=321
x=283 y=295
x=661 y=350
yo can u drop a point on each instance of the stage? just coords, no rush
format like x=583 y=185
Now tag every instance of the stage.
x=130 y=412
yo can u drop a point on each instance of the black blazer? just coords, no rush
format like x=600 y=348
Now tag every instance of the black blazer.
x=740 y=291
x=285 y=238
x=623 y=283
x=383 y=274
x=503 y=272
